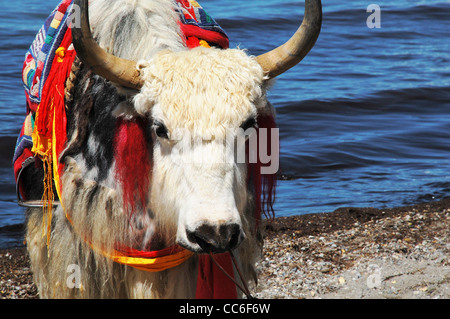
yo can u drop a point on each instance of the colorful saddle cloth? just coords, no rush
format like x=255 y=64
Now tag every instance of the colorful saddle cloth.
x=37 y=68
x=197 y=25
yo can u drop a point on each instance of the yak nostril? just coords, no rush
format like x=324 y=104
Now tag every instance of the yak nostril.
x=216 y=239
x=205 y=245
x=231 y=233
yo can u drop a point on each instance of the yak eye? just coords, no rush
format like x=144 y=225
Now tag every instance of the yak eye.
x=160 y=130
x=251 y=122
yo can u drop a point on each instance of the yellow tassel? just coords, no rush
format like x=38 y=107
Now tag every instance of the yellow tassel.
x=47 y=199
x=60 y=53
x=204 y=44
x=56 y=177
x=42 y=147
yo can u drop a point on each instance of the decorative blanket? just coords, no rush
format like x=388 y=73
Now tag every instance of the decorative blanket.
x=198 y=27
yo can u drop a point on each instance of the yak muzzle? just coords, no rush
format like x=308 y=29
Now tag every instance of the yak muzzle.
x=216 y=239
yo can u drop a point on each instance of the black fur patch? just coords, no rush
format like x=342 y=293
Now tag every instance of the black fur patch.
x=90 y=116
x=92 y=195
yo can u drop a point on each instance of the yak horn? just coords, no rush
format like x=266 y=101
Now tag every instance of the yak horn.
x=296 y=48
x=112 y=68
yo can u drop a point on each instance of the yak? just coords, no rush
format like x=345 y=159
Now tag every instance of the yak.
x=153 y=193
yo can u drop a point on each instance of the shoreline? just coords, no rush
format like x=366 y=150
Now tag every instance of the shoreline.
x=350 y=253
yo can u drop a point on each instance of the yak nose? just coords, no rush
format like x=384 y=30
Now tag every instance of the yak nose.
x=216 y=239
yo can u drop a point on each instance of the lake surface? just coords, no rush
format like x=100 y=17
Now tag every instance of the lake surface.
x=364 y=119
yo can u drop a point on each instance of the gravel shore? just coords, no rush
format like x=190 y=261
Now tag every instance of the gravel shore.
x=350 y=253
x=401 y=253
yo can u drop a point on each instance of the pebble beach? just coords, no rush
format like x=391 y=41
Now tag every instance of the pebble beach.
x=354 y=253
x=351 y=253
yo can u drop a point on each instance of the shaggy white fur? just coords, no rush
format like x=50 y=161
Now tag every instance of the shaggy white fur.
x=228 y=83
x=135 y=29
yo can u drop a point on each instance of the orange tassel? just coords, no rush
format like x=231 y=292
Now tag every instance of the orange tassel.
x=47 y=199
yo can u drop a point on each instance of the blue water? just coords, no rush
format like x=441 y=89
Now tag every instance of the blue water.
x=364 y=119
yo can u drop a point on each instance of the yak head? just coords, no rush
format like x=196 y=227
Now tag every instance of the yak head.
x=203 y=106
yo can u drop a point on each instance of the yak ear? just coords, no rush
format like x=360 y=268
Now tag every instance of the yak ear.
x=125 y=109
x=137 y=103
x=147 y=96
x=143 y=103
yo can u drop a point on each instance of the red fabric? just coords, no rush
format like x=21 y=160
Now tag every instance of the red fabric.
x=208 y=36
x=130 y=252
x=192 y=42
x=212 y=283
x=61 y=119
x=18 y=165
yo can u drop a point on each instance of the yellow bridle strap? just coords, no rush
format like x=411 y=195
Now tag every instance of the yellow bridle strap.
x=153 y=264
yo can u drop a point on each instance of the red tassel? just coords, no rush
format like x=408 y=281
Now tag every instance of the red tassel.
x=264 y=185
x=53 y=95
x=132 y=162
